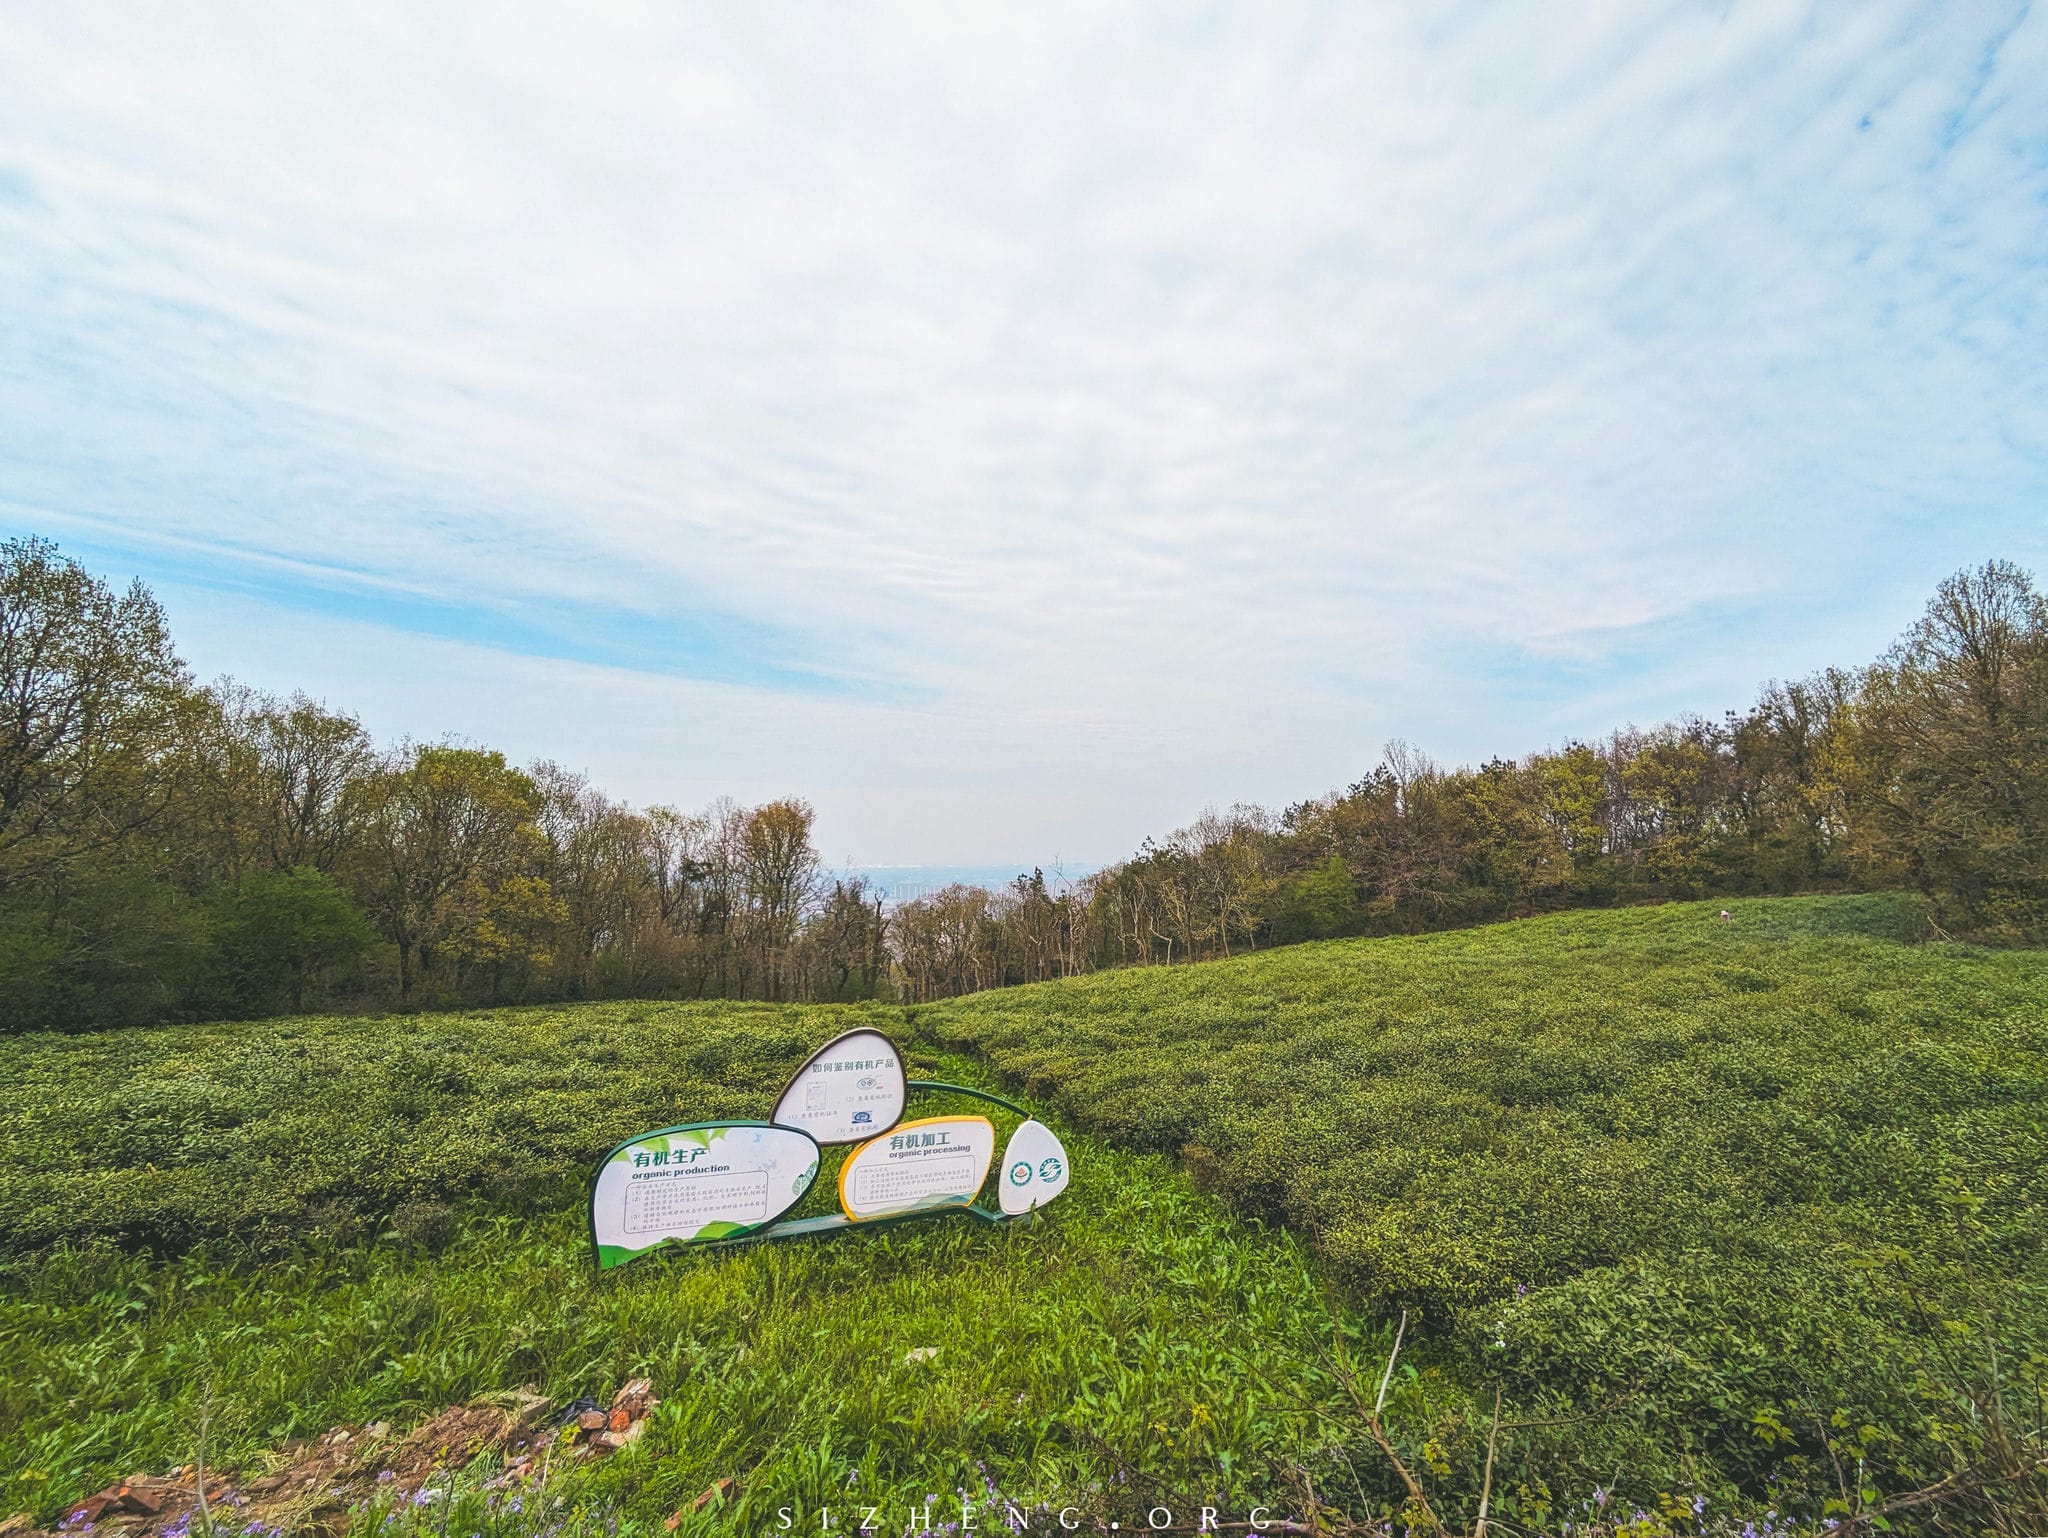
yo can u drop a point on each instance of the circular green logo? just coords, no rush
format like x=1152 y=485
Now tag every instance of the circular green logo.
x=1050 y=1170
x=1020 y=1173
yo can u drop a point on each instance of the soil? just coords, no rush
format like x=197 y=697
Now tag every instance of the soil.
x=312 y=1485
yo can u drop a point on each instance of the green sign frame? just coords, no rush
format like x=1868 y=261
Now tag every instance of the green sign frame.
x=777 y=1227
x=608 y=1256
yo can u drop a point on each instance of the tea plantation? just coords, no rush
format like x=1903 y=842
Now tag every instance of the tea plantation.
x=1689 y=1167
x=1747 y=1211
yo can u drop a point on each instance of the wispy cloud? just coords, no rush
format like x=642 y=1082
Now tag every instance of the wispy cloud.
x=1110 y=409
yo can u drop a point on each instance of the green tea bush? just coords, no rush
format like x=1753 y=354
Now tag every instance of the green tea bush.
x=1458 y=1115
x=282 y=1130
x=1653 y=1158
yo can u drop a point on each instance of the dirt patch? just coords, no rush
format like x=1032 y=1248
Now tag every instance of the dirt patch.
x=312 y=1485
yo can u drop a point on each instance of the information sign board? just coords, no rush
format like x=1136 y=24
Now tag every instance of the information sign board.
x=686 y=1185
x=848 y=1090
x=1034 y=1169
x=939 y=1161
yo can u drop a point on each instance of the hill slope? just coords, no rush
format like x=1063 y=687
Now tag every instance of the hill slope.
x=1653 y=1155
x=1460 y=1113
x=1666 y=1179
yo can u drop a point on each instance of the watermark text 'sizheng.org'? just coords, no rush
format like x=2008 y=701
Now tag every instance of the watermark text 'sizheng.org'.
x=1002 y=1517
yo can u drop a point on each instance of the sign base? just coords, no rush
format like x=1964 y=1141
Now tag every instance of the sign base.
x=838 y=1223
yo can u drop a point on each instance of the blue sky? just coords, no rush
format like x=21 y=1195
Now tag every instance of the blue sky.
x=1016 y=429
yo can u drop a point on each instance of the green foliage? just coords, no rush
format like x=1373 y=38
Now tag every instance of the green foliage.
x=1687 y=1138
x=448 y=860
x=324 y=1125
x=98 y=943
x=1954 y=760
x=90 y=702
x=272 y=932
x=93 y=703
x=1318 y=904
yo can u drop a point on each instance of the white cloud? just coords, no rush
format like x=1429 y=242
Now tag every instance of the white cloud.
x=1145 y=408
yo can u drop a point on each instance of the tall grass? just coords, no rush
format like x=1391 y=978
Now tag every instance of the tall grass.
x=1045 y=1359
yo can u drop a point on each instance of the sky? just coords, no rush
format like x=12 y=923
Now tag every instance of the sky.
x=1014 y=429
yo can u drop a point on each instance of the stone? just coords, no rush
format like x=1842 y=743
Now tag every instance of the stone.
x=141 y=1495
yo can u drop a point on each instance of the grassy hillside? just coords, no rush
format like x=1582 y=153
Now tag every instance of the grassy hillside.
x=278 y=1227
x=1463 y=1113
x=1711 y=1202
x=1653 y=1158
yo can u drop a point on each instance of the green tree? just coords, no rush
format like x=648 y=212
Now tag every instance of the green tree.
x=778 y=879
x=93 y=707
x=444 y=830
x=1953 y=759
x=273 y=932
x=91 y=695
x=1317 y=904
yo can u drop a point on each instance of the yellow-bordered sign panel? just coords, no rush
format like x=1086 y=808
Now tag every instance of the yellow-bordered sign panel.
x=940 y=1161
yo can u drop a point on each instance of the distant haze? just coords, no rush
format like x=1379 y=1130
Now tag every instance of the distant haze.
x=906 y=883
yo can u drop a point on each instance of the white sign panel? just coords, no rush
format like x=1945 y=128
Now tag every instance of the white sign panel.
x=696 y=1183
x=1035 y=1169
x=852 y=1088
x=940 y=1161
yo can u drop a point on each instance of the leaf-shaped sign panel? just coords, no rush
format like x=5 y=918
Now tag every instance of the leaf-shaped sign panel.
x=849 y=1089
x=686 y=1185
x=940 y=1161
x=1035 y=1169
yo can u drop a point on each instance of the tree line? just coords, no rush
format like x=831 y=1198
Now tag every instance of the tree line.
x=171 y=849
x=1926 y=770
